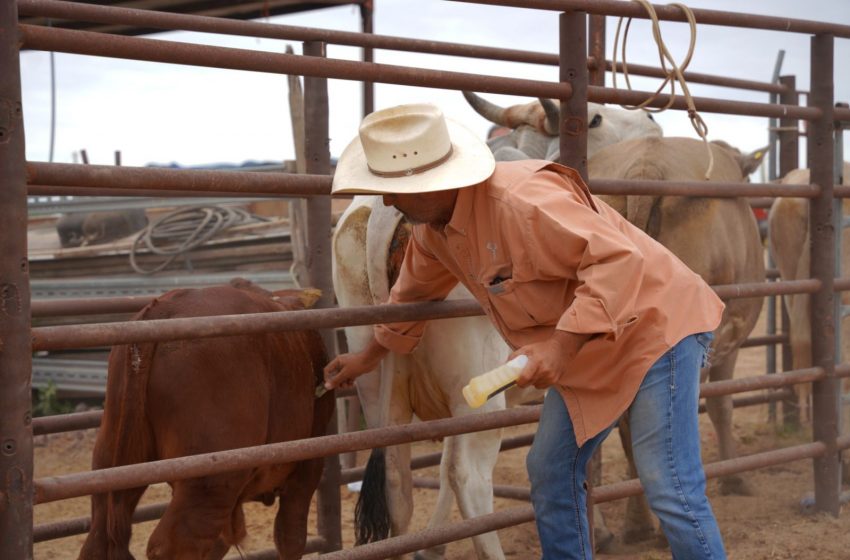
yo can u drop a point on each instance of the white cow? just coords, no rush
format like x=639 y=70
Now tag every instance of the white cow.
x=788 y=227
x=428 y=382
x=534 y=127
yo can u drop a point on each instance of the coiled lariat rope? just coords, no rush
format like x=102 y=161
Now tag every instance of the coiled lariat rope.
x=179 y=232
x=673 y=75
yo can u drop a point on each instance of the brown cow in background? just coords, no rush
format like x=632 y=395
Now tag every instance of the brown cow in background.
x=184 y=397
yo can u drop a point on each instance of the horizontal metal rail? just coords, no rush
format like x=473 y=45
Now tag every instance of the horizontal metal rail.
x=671 y=13
x=205 y=24
x=105 y=334
x=164 y=179
x=173 y=52
x=601 y=94
x=700 y=188
x=129 y=304
x=91 y=419
x=131 y=476
x=151 y=50
x=120 y=178
x=523 y=514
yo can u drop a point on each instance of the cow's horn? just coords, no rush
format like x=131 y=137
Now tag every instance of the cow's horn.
x=553 y=116
x=489 y=111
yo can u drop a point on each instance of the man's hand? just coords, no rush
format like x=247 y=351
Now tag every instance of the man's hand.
x=548 y=360
x=345 y=368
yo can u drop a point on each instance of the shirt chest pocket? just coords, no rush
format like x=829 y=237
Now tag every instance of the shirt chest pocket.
x=526 y=304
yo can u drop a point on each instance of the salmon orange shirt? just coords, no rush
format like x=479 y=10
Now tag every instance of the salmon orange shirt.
x=540 y=253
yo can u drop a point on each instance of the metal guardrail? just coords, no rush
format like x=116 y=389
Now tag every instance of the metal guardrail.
x=60 y=288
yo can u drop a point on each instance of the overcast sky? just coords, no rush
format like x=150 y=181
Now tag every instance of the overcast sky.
x=162 y=113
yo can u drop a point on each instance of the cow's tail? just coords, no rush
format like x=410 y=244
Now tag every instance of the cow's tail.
x=132 y=437
x=372 y=514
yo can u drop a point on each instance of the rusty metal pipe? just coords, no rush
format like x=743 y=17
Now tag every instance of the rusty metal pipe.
x=81 y=525
x=66 y=190
x=63 y=337
x=16 y=444
x=168 y=21
x=705 y=104
x=66 y=422
x=173 y=52
x=824 y=307
x=130 y=476
x=156 y=179
x=767 y=340
x=62 y=307
x=522 y=514
x=699 y=188
x=365 y=40
x=671 y=13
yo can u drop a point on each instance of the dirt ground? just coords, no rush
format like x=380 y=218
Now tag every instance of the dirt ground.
x=766 y=525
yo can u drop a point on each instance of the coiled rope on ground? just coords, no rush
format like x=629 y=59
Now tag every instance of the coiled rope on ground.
x=180 y=231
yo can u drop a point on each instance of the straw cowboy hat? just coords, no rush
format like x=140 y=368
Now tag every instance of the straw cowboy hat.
x=411 y=149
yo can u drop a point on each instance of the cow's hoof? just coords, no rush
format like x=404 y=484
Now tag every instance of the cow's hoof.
x=734 y=486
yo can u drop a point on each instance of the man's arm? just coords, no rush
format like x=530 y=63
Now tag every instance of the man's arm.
x=345 y=368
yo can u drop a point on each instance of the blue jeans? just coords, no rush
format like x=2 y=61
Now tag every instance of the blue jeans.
x=665 y=438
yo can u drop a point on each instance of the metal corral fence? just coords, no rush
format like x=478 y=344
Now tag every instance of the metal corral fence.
x=580 y=81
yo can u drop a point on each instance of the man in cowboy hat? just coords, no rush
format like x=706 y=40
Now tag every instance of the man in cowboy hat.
x=609 y=319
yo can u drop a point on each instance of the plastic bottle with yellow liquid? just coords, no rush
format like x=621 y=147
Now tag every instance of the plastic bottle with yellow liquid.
x=489 y=384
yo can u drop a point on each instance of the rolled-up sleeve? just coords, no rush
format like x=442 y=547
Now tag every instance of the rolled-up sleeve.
x=572 y=240
x=422 y=278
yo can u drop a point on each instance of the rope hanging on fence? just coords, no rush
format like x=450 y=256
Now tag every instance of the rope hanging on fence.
x=673 y=75
x=179 y=232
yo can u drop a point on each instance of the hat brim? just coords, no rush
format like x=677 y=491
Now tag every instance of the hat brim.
x=470 y=163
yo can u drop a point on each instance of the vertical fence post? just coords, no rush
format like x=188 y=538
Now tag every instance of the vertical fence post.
x=366 y=26
x=318 y=161
x=16 y=446
x=573 y=69
x=573 y=131
x=789 y=159
x=825 y=394
x=597 y=49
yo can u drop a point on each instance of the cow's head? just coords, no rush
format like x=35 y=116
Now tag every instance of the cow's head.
x=291 y=299
x=534 y=127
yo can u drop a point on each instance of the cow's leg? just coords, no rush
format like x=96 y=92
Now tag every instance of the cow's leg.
x=199 y=515
x=638 y=525
x=290 y=523
x=110 y=539
x=471 y=459
x=720 y=412
x=443 y=507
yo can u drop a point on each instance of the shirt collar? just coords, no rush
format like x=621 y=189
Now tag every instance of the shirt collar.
x=463 y=210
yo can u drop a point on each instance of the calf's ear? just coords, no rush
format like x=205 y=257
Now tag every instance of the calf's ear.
x=750 y=162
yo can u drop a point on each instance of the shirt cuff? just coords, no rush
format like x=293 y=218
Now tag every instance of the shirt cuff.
x=395 y=342
x=589 y=315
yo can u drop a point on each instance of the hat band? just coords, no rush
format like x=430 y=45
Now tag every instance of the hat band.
x=412 y=170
